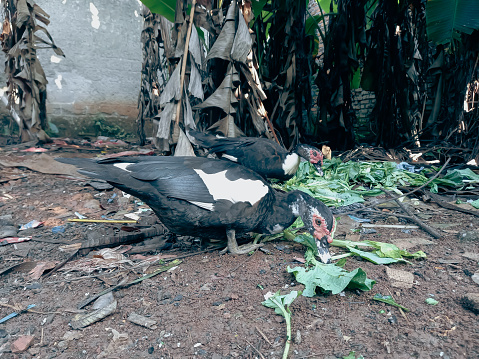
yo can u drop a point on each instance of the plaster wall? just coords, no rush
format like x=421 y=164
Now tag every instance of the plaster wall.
x=99 y=77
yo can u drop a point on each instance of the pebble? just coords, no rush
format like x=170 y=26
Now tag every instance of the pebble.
x=62 y=345
x=3 y=333
x=219 y=302
x=163 y=295
x=471 y=302
x=178 y=298
x=35 y=285
x=7 y=220
x=469 y=236
x=8 y=231
x=297 y=338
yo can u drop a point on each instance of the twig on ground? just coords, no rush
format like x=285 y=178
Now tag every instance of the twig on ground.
x=257 y=351
x=61 y=264
x=420 y=223
x=437 y=199
x=264 y=336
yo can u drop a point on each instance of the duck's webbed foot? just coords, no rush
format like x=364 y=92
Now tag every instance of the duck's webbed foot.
x=233 y=247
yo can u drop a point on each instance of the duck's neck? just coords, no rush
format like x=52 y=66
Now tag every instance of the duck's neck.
x=287 y=207
x=291 y=163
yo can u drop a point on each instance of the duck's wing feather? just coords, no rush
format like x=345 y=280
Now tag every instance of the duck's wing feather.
x=194 y=179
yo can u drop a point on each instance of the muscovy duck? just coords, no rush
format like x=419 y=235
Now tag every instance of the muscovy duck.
x=212 y=198
x=262 y=155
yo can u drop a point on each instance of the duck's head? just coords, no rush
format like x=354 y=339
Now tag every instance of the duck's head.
x=311 y=154
x=318 y=220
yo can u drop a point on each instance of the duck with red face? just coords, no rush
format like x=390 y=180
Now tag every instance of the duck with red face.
x=210 y=198
x=262 y=155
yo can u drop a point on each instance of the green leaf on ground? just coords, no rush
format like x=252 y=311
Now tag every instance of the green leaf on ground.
x=385 y=253
x=431 y=301
x=389 y=300
x=330 y=277
x=308 y=241
x=280 y=303
x=373 y=257
x=352 y=355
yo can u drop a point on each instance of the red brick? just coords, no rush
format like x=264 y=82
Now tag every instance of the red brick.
x=22 y=343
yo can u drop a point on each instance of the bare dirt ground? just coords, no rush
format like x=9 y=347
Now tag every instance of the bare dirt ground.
x=209 y=306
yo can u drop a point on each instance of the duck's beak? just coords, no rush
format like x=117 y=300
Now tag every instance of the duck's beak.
x=323 y=250
x=317 y=165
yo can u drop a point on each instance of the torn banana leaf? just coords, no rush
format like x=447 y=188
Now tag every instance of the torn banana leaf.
x=84 y=320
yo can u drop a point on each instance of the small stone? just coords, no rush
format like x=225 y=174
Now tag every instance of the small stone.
x=48 y=319
x=475 y=277
x=471 y=302
x=163 y=295
x=392 y=220
x=393 y=319
x=62 y=345
x=178 y=298
x=151 y=350
x=469 y=236
x=35 y=285
x=279 y=319
x=22 y=343
x=217 y=303
x=297 y=338
x=3 y=333
x=72 y=335
x=400 y=278
x=8 y=231
x=34 y=351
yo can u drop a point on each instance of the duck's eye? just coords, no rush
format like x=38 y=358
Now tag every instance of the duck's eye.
x=315 y=153
x=317 y=222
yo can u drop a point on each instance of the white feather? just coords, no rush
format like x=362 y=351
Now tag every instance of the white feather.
x=229 y=157
x=240 y=190
x=122 y=166
x=291 y=163
x=208 y=206
x=277 y=228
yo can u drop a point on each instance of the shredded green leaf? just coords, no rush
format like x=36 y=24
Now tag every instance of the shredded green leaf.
x=347 y=183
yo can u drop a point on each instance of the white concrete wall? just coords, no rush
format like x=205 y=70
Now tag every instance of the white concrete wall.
x=100 y=75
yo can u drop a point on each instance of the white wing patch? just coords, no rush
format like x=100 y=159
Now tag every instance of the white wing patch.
x=229 y=157
x=123 y=166
x=208 y=206
x=290 y=164
x=240 y=190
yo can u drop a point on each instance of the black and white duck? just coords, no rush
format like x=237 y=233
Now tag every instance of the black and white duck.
x=262 y=155
x=211 y=198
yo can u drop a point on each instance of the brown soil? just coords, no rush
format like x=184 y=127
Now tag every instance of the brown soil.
x=210 y=305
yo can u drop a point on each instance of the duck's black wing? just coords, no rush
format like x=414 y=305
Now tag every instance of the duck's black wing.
x=197 y=180
x=260 y=154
